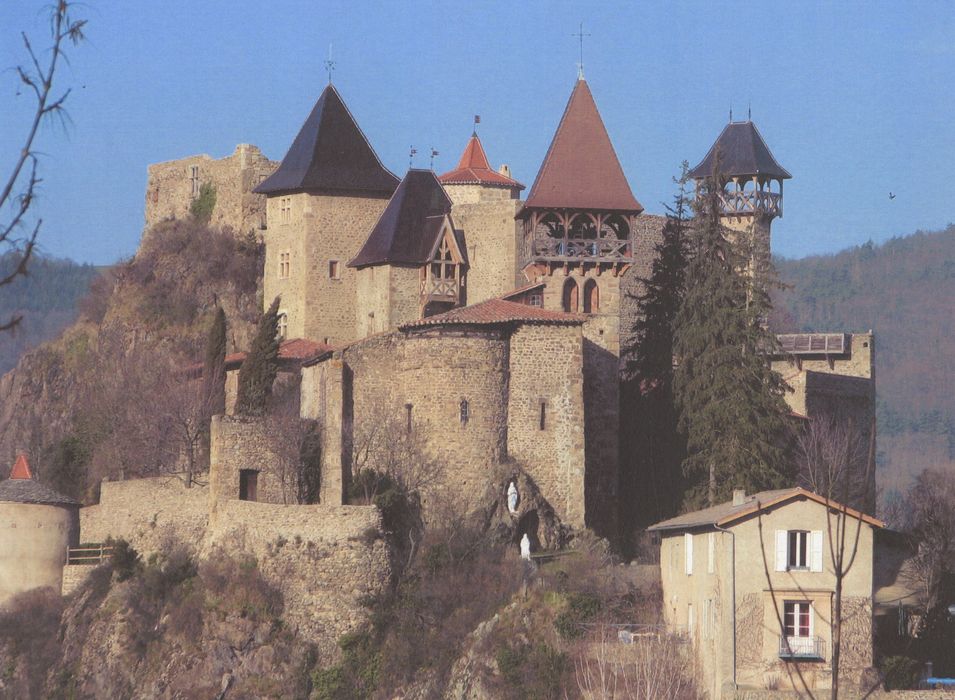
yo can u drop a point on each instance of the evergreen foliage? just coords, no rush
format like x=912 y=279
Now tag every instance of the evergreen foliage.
x=260 y=367
x=213 y=372
x=203 y=205
x=730 y=402
x=653 y=448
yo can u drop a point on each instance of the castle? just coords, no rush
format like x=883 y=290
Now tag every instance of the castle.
x=493 y=324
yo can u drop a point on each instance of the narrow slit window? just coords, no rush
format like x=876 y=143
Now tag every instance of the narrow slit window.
x=465 y=412
x=542 y=418
x=334 y=270
x=408 y=409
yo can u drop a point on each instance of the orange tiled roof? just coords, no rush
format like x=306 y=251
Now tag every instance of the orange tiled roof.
x=293 y=350
x=474 y=169
x=21 y=468
x=495 y=311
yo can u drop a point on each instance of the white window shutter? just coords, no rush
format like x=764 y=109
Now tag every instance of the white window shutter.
x=815 y=551
x=711 y=553
x=782 y=545
x=688 y=544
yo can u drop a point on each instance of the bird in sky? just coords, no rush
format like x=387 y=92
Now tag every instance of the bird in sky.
x=891 y=195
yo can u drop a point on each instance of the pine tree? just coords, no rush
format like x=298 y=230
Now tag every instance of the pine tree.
x=653 y=448
x=729 y=400
x=258 y=371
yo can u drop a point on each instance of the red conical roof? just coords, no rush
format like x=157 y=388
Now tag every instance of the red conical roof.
x=474 y=169
x=21 y=468
x=581 y=170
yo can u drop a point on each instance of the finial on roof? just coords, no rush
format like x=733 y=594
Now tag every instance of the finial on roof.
x=411 y=154
x=580 y=65
x=433 y=154
x=477 y=120
x=731 y=114
x=329 y=64
x=749 y=112
x=21 y=468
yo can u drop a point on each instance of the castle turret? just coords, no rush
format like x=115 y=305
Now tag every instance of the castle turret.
x=413 y=263
x=37 y=526
x=752 y=195
x=474 y=180
x=322 y=201
x=578 y=229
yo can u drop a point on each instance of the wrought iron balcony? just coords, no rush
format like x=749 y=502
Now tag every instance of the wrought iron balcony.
x=802 y=647
x=597 y=249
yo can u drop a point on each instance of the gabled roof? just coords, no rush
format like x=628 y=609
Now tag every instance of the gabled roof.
x=21 y=488
x=409 y=226
x=474 y=169
x=581 y=170
x=291 y=352
x=742 y=151
x=727 y=513
x=330 y=153
x=494 y=312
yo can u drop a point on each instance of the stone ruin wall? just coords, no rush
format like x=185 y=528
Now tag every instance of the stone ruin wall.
x=169 y=188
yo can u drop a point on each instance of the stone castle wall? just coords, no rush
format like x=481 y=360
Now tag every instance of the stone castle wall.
x=492 y=237
x=387 y=296
x=319 y=233
x=170 y=189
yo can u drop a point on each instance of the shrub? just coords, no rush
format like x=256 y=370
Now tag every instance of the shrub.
x=125 y=560
x=581 y=608
x=901 y=672
x=203 y=205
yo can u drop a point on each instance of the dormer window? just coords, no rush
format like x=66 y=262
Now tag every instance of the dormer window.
x=442 y=278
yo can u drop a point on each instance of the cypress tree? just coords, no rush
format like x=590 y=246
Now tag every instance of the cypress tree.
x=653 y=448
x=213 y=371
x=729 y=401
x=258 y=371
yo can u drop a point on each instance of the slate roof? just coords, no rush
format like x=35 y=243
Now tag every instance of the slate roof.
x=494 y=312
x=474 y=169
x=409 y=226
x=581 y=170
x=21 y=488
x=742 y=151
x=292 y=351
x=330 y=153
x=727 y=513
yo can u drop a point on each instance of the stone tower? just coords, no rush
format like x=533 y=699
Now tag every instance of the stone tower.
x=322 y=201
x=37 y=526
x=753 y=193
x=414 y=263
x=577 y=235
x=485 y=204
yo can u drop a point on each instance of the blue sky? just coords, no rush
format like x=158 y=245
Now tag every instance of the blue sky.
x=856 y=99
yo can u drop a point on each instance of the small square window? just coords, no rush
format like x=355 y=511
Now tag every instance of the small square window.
x=334 y=270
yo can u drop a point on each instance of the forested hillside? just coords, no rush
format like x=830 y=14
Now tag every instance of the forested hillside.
x=47 y=299
x=904 y=290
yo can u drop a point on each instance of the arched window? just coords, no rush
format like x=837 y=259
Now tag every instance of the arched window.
x=591 y=297
x=570 y=298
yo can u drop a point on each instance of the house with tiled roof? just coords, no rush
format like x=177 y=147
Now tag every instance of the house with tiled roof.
x=752 y=584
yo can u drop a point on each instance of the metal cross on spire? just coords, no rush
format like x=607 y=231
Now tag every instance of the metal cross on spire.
x=329 y=64
x=580 y=65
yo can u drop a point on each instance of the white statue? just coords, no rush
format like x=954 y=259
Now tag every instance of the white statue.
x=526 y=547
x=512 y=497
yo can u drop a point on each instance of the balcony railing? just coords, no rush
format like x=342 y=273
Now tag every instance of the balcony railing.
x=750 y=202
x=581 y=249
x=802 y=648
x=434 y=289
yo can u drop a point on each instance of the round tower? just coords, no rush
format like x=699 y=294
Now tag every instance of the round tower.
x=752 y=192
x=37 y=526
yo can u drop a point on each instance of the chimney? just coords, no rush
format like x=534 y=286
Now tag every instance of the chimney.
x=505 y=170
x=739 y=497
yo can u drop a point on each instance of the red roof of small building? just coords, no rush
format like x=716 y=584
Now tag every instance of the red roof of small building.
x=474 y=169
x=295 y=350
x=21 y=468
x=581 y=170
x=495 y=311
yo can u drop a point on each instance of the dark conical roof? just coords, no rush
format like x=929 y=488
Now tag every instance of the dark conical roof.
x=742 y=151
x=409 y=226
x=21 y=488
x=581 y=170
x=330 y=153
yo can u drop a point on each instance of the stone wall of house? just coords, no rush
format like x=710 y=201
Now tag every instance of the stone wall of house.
x=320 y=234
x=492 y=239
x=148 y=513
x=546 y=376
x=325 y=560
x=170 y=189
x=387 y=296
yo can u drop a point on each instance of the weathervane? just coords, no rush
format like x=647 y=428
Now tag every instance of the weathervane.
x=411 y=154
x=433 y=154
x=580 y=36
x=477 y=120
x=329 y=64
